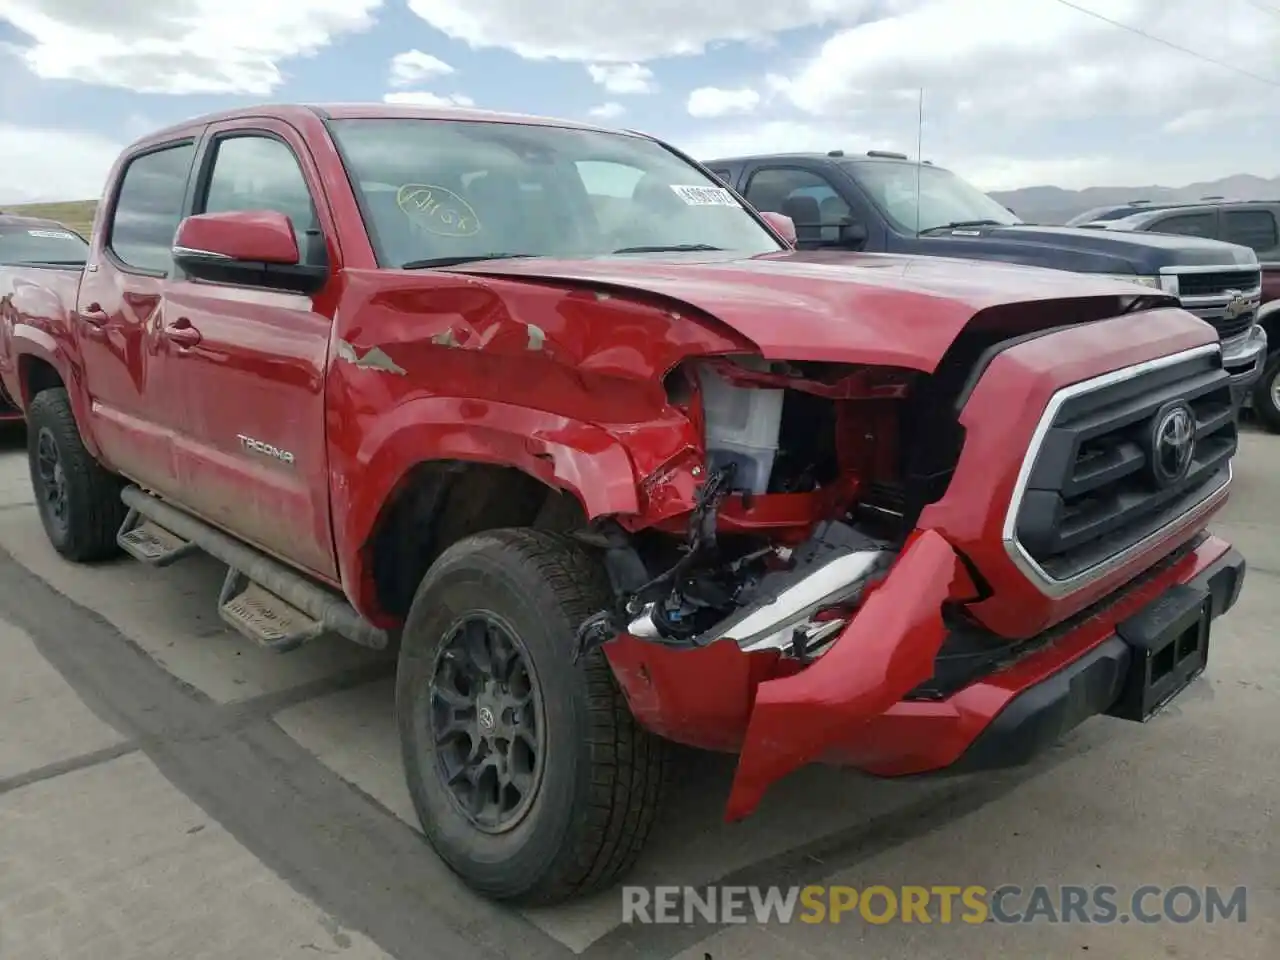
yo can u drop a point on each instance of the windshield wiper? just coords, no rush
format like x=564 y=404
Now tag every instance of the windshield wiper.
x=958 y=224
x=455 y=261
x=672 y=248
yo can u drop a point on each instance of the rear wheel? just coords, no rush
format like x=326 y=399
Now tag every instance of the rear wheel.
x=528 y=773
x=77 y=499
x=1266 y=395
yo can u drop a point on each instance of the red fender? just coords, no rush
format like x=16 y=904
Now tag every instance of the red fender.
x=580 y=458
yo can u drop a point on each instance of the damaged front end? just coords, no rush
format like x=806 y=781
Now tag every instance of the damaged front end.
x=797 y=601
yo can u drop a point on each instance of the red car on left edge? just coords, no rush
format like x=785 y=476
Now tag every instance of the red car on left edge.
x=36 y=242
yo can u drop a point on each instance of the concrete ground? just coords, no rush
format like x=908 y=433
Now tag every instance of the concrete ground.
x=167 y=790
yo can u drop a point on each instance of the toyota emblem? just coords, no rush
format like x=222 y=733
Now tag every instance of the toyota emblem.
x=1172 y=443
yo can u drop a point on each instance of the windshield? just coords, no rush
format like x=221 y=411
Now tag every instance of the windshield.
x=40 y=243
x=448 y=190
x=944 y=197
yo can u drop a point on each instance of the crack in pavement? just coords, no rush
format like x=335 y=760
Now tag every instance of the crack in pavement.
x=70 y=765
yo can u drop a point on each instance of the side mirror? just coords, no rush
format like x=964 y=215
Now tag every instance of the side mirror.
x=853 y=234
x=781 y=224
x=250 y=247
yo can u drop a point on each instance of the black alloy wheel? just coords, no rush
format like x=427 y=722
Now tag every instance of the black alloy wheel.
x=52 y=487
x=487 y=722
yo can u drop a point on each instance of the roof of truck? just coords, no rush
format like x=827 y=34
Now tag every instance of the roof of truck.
x=301 y=113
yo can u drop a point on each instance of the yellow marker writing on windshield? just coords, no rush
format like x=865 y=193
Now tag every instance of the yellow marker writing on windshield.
x=438 y=210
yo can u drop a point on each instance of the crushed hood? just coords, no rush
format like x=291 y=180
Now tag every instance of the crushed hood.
x=830 y=305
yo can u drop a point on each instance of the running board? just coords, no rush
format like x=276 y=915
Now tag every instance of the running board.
x=262 y=598
x=148 y=542
x=264 y=618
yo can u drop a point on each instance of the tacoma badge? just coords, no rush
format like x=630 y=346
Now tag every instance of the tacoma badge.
x=257 y=446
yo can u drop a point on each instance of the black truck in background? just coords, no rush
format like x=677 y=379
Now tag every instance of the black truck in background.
x=883 y=202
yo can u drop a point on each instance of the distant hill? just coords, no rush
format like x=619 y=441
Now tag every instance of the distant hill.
x=1055 y=205
x=76 y=214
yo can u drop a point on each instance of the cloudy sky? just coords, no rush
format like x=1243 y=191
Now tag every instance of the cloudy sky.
x=1016 y=92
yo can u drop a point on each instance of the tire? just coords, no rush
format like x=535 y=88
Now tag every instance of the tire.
x=1265 y=393
x=594 y=799
x=77 y=499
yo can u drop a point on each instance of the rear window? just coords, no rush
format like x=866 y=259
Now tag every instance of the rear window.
x=42 y=243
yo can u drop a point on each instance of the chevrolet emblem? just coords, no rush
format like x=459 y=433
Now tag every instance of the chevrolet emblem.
x=1237 y=305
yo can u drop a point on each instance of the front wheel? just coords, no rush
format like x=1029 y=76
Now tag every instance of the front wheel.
x=77 y=499
x=1266 y=395
x=529 y=775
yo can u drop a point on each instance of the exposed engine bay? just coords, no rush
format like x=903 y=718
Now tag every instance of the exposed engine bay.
x=849 y=455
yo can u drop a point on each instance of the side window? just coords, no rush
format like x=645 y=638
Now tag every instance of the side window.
x=1187 y=225
x=807 y=198
x=261 y=173
x=1252 y=228
x=149 y=207
x=725 y=176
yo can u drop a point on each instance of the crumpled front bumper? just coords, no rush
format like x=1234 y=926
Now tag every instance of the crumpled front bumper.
x=848 y=706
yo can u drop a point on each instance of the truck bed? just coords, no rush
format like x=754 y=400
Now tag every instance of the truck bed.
x=38 y=296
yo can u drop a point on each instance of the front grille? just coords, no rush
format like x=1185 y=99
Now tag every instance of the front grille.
x=1231 y=327
x=1217 y=284
x=1097 y=486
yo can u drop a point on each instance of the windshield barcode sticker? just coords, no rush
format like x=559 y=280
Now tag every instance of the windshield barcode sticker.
x=704 y=196
x=50 y=234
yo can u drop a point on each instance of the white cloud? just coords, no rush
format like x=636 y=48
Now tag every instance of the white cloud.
x=1017 y=92
x=421 y=98
x=180 y=46
x=414 y=66
x=607 y=111
x=51 y=165
x=622 y=77
x=1024 y=92
x=1035 y=60
x=604 y=31
x=715 y=102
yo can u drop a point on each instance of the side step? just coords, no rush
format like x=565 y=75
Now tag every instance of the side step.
x=263 y=617
x=262 y=598
x=147 y=541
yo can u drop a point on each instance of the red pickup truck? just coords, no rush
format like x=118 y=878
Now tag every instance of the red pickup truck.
x=553 y=413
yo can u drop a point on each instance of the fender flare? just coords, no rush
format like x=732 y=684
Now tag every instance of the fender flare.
x=579 y=458
x=31 y=341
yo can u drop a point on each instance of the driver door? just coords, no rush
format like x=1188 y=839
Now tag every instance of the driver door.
x=254 y=459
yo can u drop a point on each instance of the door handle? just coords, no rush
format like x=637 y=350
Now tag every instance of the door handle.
x=182 y=333
x=94 y=315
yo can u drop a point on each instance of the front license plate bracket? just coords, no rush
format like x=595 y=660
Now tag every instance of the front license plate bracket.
x=1168 y=644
